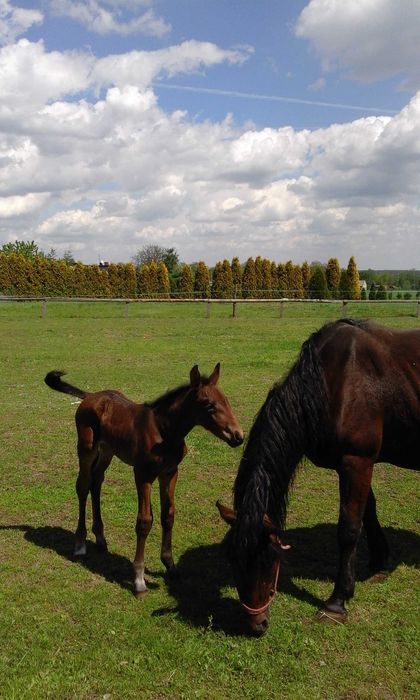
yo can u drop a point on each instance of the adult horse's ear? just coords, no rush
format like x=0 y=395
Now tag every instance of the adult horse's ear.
x=277 y=544
x=195 y=376
x=214 y=377
x=228 y=515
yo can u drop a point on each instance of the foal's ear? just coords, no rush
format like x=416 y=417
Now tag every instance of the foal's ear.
x=195 y=376
x=228 y=515
x=214 y=377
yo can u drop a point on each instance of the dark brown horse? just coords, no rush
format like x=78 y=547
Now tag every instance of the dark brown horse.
x=352 y=399
x=150 y=438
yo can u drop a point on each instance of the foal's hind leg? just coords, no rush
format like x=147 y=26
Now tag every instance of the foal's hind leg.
x=143 y=527
x=98 y=474
x=378 y=546
x=167 y=483
x=88 y=454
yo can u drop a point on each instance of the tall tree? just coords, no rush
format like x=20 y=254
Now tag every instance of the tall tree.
x=258 y=276
x=202 y=280
x=289 y=277
x=282 y=280
x=227 y=280
x=249 y=282
x=274 y=280
x=236 y=277
x=186 y=282
x=318 y=283
x=332 y=273
x=306 y=274
x=28 y=249
x=353 y=279
x=163 y=284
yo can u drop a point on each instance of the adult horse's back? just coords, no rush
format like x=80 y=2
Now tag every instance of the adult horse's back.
x=352 y=399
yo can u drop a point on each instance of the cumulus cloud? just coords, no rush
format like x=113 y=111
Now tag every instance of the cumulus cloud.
x=90 y=161
x=106 y=16
x=15 y=21
x=371 y=39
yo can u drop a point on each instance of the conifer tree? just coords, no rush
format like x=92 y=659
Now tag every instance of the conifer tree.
x=227 y=289
x=143 y=281
x=289 y=277
x=186 y=282
x=332 y=274
x=202 y=280
x=249 y=282
x=372 y=291
x=258 y=276
x=306 y=275
x=282 y=280
x=318 y=283
x=236 y=277
x=344 y=285
x=217 y=281
x=297 y=282
x=353 y=279
x=266 y=279
x=163 y=283
x=274 y=281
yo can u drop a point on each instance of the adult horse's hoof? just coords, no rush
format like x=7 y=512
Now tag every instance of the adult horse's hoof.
x=139 y=595
x=329 y=616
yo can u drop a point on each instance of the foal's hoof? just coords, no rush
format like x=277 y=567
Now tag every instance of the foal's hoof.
x=329 y=616
x=140 y=594
x=80 y=550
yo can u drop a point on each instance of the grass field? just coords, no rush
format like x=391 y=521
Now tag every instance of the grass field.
x=72 y=628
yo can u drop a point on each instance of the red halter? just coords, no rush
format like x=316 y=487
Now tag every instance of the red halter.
x=263 y=608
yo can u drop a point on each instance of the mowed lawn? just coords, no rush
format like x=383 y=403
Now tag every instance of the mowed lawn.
x=71 y=628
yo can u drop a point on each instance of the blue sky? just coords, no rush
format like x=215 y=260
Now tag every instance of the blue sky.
x=274 y=128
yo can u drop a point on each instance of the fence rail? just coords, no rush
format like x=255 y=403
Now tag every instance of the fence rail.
x=208 y=302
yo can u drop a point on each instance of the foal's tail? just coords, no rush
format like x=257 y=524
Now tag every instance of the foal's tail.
x=53 y=380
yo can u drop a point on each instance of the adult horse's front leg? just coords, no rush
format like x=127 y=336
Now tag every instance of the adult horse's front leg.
x=167 y=483
x=143 y=527
x=355 y=478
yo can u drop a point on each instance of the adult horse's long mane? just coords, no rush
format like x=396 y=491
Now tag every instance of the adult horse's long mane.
x=293 y=421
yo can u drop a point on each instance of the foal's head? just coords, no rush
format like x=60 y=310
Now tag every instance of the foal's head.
x=212 y=410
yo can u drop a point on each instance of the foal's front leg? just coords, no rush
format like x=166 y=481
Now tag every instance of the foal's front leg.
x=143 y=527
x=167 y=483
x=355 y=479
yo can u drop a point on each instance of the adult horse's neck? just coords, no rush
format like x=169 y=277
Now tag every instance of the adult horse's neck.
x=291 y=423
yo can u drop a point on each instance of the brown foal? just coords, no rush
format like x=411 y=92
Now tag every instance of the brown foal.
x=151 y=438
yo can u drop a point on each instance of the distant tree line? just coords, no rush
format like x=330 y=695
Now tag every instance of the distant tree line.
x=157 y=272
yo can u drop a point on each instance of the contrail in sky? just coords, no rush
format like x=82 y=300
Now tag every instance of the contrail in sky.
x=270 y=98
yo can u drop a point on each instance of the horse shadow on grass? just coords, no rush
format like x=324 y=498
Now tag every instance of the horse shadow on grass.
x=203 y=573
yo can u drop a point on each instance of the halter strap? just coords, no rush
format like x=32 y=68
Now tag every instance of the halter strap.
x=263 y=608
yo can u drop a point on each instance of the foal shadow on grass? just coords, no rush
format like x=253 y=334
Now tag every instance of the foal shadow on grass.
x=112 y=567
x=203 y=573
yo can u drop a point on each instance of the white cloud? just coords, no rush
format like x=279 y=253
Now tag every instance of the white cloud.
x=15 y=21
x=104 y=16
x=371 y=39
x=109 y=171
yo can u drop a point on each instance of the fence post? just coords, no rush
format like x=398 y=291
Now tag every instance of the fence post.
x=234 y=309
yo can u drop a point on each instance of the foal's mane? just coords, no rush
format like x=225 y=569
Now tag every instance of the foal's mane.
x=293 y=421
x=166 y=400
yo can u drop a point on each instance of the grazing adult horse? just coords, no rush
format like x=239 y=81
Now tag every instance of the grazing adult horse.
x=352 y=399
x=151 y=438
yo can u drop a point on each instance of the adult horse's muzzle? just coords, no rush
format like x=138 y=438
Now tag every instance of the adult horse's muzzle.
x=234 y=438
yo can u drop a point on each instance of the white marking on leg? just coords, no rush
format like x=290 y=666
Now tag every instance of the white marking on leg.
x=80 y=550
x=139 y=582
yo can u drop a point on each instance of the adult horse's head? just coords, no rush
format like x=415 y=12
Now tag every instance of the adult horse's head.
x=255 y=569
x=212 y=409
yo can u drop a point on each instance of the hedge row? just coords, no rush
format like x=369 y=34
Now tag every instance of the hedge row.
x=20 y=276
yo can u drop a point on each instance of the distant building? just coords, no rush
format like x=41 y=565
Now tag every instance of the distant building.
x=363 y=285
x=103 y=264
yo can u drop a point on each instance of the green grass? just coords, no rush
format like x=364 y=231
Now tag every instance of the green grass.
x=73 y=629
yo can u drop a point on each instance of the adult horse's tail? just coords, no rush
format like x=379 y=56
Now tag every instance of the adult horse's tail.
x=293 y=421
x=54 y=381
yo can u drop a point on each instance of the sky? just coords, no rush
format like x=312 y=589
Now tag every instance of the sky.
x=288 y=129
